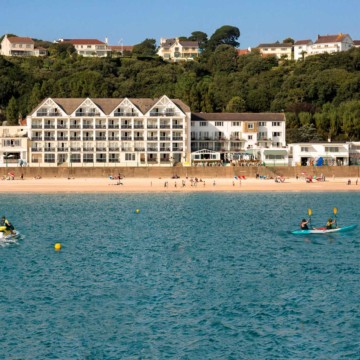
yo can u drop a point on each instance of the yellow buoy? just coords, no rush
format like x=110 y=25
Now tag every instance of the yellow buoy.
x=137 y=211
x=57 y=246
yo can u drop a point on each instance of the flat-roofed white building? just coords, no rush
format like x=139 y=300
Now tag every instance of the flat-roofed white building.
x=109 y=132
x=241 y=135
x=13 y=145
x=322 y=153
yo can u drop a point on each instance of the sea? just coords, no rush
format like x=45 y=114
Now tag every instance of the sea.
x=179 y=276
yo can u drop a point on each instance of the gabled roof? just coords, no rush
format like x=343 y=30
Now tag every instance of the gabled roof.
x=170 y=42
x=275 y=45
x=20 y=40
x=107 y=105
x=84 y=41
x=303 y=42
x=356 y=42
x=330 y=38
x=237 y=116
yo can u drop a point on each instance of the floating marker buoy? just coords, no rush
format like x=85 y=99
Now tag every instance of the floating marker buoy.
x=57 y=246
x=137 y=211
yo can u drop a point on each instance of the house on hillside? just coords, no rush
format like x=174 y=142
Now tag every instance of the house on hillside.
x=20 y=46
x=88 y=47
x=356 y=43
x=281 y=51
x=178 y=50
x=302 y=49
x=331 y=44
x=121 y=50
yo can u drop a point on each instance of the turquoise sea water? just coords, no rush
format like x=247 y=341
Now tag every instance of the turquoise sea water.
x=192 y=276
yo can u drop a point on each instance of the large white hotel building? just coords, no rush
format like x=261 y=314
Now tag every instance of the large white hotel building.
x=140 y=132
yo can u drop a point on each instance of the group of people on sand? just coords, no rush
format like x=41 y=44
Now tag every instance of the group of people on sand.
x=331 y=224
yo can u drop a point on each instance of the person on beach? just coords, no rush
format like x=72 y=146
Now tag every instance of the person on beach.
x=330 y=223
x=304 y=224
x=9 y=227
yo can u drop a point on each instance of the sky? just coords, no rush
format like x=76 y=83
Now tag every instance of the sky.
x=132 y=21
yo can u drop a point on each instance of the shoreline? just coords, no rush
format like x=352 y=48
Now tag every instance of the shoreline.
x=181 y=185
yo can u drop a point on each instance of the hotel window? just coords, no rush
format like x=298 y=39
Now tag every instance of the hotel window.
x=331 y=149
x=236 y=123
x=250 y=126
x=304 y=149
x=276 y=123
x=129 y=157
x=219 y=123
x=203 y=123
x=276 y=133
x=250 y=137
x=262 y=123
x=192 y=123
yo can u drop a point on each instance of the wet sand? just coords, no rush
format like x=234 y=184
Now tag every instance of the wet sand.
x=148 y=185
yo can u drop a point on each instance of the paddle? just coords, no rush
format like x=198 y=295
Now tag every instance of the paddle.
x=335 y=212
x=309 y=213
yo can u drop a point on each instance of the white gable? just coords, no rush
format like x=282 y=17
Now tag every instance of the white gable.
x=165 y=107
x=88 y=108
x=126 y=108
x=49 y=108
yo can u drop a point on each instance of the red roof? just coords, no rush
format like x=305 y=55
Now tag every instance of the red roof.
x=84 y=41
x=303 y=42
x=330 y=38
x=242 y=51
x=20 y=40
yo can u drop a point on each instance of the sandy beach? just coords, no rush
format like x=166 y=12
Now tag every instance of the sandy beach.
x=168 y=185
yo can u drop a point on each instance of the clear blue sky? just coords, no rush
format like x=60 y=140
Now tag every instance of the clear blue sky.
x=259 y=21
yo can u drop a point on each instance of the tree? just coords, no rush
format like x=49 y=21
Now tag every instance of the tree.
x=225 y=35
x=236 y=104
x=223 y=59
x=12 y=112
x=289 y=40
x=200 y=37
x=145 y=48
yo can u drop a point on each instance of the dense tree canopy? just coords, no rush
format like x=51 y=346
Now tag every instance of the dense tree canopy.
x=320 y=95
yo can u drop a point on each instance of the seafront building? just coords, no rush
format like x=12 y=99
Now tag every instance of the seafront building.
x=87 y=132
x=100 y=132
x=175 y=50
x=89 y=47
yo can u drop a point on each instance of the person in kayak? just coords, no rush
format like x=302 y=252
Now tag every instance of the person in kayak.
x=330 y=223
x=5 y=222
x=304 y=224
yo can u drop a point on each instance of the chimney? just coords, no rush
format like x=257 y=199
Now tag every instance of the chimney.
x=106 y=40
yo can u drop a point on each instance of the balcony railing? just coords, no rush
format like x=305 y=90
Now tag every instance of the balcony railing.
x=75 y=138
x=100 y=160
x=49 y=149
x=152 y=138
x=36 y=138
x=138 y=138
x=75 y=149
x=138 y=126
x=36 y=126
x=164 y=149
x=63 y=149
x=100 y=137
x=124 y=113
x=97 y=126
x=113 y=126
x=126 y=126
x=36 y=149
x=88 y=138
x=155 y=149
x=177 y=126
x=85 y=160
x=114 y=148
x=49 y=126
x=74 y=126
x=178 y=149
x=64 y=138
x=152 y=126
x=113 y=138
x=126 y=138
x=164 y=126
x=61 y=126
x=165 y=138
x=113 y=160
x=89 y=113
x=88 y=126
x=88 y=149
x=139 y=148
x=49 y=138
x=178 y=138
x=100 y=148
